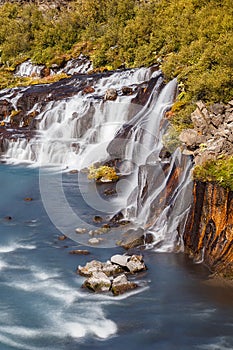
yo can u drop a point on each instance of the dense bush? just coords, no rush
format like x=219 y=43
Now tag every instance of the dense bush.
x=193 y=40
x=219 y=171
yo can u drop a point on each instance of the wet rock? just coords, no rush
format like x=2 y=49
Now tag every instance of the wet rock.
x=110 y=191
x=106 y=226
x=80 y=230
x=126 y=90
x=121 y=260
x=132 y=238
x=121 y=285
x=149 y=238
x=111 y=94
x=94 y=240
x=28 y=199
x=89 y=268
x=136 y=264
x=62 y=238
x=117 y=217
x=7 y=218
x=88 y=90
x=97 y=219
x=79 y=252
x=98 y=282
x=111 y=269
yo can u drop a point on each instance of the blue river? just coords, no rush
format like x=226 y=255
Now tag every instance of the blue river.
x=42 y=304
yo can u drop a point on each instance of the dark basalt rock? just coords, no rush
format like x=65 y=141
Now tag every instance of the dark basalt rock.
x=132 y=238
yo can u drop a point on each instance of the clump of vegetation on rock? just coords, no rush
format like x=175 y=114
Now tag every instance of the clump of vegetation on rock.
x=103 y=173
x=219 y=171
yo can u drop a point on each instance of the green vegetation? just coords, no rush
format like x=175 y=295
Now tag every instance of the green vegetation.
x=104 y=173
x=192 y=40
x=220 y=171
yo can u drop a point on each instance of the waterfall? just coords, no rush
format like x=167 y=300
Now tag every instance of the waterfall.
x=69 y=130
x=76 y=130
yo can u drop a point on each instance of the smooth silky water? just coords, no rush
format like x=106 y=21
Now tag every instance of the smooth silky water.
x=43 y=306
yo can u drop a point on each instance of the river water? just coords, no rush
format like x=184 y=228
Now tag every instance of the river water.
x=43 y=306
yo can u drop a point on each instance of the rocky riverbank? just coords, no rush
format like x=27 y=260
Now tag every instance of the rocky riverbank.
x=212 y=135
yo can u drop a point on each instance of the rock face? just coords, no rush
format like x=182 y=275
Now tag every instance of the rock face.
x=212 y=134
x=208 y=233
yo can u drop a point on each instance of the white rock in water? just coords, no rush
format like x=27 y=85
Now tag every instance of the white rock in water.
x=80 y=230
x=94 y=240
x=121 y=260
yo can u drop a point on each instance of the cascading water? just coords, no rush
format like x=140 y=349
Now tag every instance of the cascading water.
x=69 y=126
x=75 y=131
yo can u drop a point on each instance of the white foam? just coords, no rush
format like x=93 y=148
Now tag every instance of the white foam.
x=221 y=344
x=74 y=329
x=3 y=265
x=15 y=246
x=104 y=329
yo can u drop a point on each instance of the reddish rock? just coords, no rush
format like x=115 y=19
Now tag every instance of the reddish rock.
x=88 y=90
x=208 y=235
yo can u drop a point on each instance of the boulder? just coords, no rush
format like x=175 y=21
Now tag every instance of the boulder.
x=191 y=138
x=121 y=285
x=132 y=238
x=136 y=264
x=121 y=260
x=89 y=268
x=111 y=269
x=126 y=90
x=98 y=282
x=111 y=94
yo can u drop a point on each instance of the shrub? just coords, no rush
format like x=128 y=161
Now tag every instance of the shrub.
x=219 y=171
x=104 y=173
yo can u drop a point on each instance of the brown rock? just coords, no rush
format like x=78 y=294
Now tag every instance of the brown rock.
x=121 y=285
x=62 y=238
x=136 y=264
x=98 y=282
x=88 y=90
x=111 y=94
x=97 y=219
x=132 y=238
x=79 y=252
x=126 y=90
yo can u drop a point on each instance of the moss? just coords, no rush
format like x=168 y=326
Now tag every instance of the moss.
x=219 y=171
x=103 y=173
x=8 y=80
